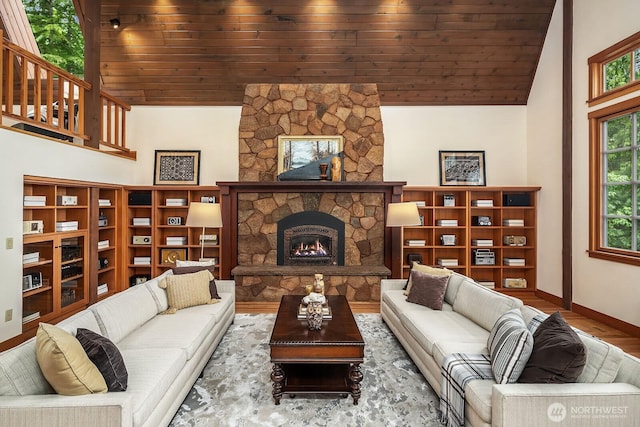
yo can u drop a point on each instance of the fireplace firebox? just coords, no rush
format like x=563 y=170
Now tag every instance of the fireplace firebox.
x=310 y=238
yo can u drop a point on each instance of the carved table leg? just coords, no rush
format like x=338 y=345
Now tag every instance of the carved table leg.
x=277 y=376
x=355 y=376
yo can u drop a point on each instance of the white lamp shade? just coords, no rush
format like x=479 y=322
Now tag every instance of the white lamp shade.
x=402 y=214
x=204 y=215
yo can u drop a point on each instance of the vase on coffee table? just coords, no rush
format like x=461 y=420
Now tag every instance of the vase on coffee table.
x=314 y=316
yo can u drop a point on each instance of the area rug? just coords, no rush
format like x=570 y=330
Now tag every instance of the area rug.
x=235 y=389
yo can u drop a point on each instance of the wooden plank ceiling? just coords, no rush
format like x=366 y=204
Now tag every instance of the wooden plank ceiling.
x=419 y=52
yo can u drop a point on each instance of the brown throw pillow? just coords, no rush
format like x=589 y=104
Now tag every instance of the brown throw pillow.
x=427 y=289
x=213 y=290
x=558 y=354
x=107 y=358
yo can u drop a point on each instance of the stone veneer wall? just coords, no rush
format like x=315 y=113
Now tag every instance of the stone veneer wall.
x=258 y=215
x=350 y=110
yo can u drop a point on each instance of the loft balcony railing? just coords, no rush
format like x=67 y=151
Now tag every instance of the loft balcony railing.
x=39 y=97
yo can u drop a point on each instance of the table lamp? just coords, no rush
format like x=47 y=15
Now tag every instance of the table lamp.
x=204 y=215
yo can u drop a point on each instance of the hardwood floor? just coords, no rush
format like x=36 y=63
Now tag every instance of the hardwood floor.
x=626 y=342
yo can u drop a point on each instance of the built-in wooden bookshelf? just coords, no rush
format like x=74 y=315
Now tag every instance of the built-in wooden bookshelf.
x=156 y=230
x=475 y=219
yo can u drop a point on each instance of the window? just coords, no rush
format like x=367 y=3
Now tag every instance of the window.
x=615 y=71
x=614 y=133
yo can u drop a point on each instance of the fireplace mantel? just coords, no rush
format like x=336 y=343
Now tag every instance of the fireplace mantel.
x=229 y=190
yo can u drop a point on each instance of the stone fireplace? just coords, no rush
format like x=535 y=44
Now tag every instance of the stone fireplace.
x=310 y=238
x=277 y=234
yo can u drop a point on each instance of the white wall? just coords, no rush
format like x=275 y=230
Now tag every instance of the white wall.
x=544 y=155
x=413 y=136
x=26 y=155
x=212 y=130
x=604 y=286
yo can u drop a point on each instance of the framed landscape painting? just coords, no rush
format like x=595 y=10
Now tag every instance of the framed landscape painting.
x=176 y=167
x=462 y=168
x=297 y=151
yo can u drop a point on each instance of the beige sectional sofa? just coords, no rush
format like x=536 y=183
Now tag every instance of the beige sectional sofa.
x=607 y=391
x=163 y=355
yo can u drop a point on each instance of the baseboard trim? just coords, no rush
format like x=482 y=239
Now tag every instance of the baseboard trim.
x=618 y=324
x=621 y=325
x=272 y=307
x=549 y=297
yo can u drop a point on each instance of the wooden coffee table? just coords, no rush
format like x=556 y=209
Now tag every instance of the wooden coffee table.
x=324 y=361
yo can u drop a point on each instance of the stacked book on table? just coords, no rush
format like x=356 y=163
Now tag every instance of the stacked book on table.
x=141 y=221
x=35 y=201
x=175 y=202
x=514 y=262
x=484 y=203
x=415 y=242
x=447 y=222
x=447 y=262
x=513 y=222
x=66 y=226
x=326 y=312
x=481 y=242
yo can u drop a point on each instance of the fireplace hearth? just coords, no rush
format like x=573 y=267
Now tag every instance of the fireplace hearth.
x=310 y=238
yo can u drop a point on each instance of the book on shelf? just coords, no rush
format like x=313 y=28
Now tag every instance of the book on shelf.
x=35 y=201
x=487 y=284
x=176 y=240
x=447 y=222
x=513 y=222
x=326 y=312
x=208 y=239
x=103 y=289
x=447 y=262
x=103 y=244
x=175 y=202
x=415 y=242
x=421 y=203
x=31 y=257
x=517 y=262
x=104 y=202
x=30 y=316
x=141 y=260
x=485 y=203
x=141 y=221
x=66 y=226
x=481 y=242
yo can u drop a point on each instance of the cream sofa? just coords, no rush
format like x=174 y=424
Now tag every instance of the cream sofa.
x=163 y=354
x=607 y=391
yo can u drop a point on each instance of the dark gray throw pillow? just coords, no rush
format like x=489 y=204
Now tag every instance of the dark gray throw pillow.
x=107 y=358
x=427 y=289
x=213 y=290
x=558 y=355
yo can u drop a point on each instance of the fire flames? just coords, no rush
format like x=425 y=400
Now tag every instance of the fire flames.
x=315 y=249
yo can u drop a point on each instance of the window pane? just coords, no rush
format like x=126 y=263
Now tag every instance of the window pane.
x=618 y=132
x=619 y=233
x=617 y=72
x=636 y=67
x=619 y=200
x=619 y=166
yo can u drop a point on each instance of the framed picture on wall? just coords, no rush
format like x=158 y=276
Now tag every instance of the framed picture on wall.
x=176 y=167
x=462 y=168
x=297 y=151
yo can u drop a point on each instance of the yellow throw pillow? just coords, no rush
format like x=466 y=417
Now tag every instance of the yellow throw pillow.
x=434 y=271
x=187 y=290
x=65 y=364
